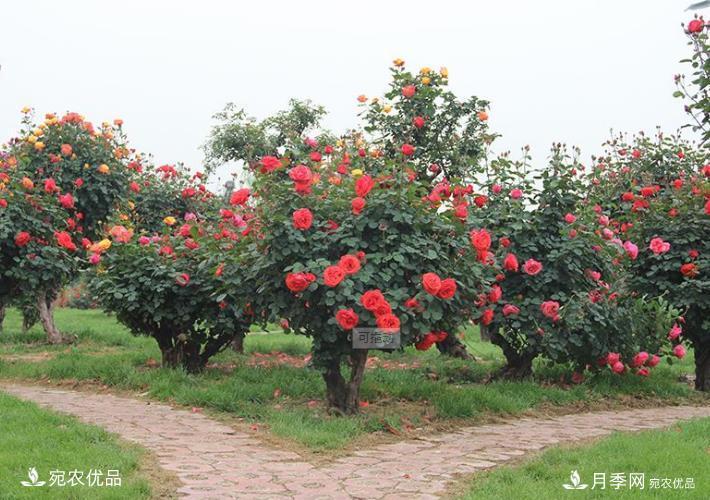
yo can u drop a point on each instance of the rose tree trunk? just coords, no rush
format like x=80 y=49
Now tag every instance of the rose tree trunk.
x=702 y=365
x=45 y=305
x=344 y=396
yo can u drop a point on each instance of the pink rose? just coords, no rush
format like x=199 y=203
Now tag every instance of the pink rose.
x=631 y=250
x=618 y=367
x=532 y=267
x=570 y=218
x=510 y=310
x=658 y=246
x=679 y=351
x=550 y=309
x=675 y=332
x=516 y=193
x=639 y=359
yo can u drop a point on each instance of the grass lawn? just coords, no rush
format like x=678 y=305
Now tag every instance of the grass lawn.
x=681 y=452
x=274 y=395
x=33 y=437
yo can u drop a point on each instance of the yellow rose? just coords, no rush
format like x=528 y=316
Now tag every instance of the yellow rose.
x=26 y=109
x=356 y=172
x=32 y=139
x=444 y=72
x=169 y=220
x=103 y=169
x=39 y=146
x=131 y=205
x=425 y=70
x=105 y=244
x=38 y=132
x=387 y=108
x=398 y=62
x=426 y=80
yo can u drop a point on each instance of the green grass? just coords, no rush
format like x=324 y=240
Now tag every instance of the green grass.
x=433 y=392
x=683 y=451
x=32 y=437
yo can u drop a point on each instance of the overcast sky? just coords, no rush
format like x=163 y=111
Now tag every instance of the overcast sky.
x=554 y=70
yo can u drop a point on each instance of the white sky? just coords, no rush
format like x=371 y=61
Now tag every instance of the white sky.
x=556 y=70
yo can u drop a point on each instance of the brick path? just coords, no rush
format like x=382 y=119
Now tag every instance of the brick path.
x=213 y=460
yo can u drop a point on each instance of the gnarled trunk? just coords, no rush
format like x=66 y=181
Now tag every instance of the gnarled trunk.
x=45 y=306
x=178 y=353
x=518 y=364
x=238 y=343
x=2 y=315
x=702 y=366
x=452 y=346
x=344 y=397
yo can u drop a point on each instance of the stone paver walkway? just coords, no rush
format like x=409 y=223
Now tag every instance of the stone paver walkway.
x=213 y=460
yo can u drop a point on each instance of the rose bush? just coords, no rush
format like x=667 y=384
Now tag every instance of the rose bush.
x=334 y=248
x=560 y=294
x=62 y=178
x=656 y=192
x=165 y=286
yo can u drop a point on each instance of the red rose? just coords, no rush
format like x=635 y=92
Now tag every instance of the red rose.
x=239 y=197
x=297 y=282
x=347 y=319
x=372 y=299
x=315 y=156
x=689 y=270
x=364 y=185
x=487 y=316
x=550 y=309
x=66 y=201
x=480 y=201
x=426 y=343
x=349 y=264
x=357 y=205
x=495 y=294
x=22 y=238
x=333 y=275
x=431 y=283
x=407 y=149
x=447 y=289
x=302 y=219
x=183 y=279
x=382 y=309
x=628 y=196
x=510 y=263
x=696 y=26
x=418 y=121
x=412 y=303
x=388 y=322
x=50 y=186
x=532 y=267
x=481 y=240
x=301 y=174
x=408 y=91
x=66 y=149
x=64 y=240
x=269 y=164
